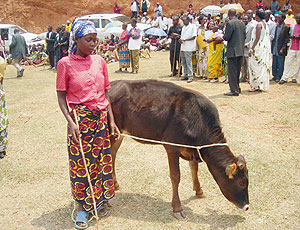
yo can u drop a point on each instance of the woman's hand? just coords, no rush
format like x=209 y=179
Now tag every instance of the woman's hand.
x=114 y=130
x=74 y=130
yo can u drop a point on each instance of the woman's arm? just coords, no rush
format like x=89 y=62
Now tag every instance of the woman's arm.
x=114 y=129
x=258 y=32
x=74 y=129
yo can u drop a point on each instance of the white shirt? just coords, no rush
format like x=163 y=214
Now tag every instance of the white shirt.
x=272 y=28
x=134 y=7
x=162 y=23
x=135 y=44
x=188 y=32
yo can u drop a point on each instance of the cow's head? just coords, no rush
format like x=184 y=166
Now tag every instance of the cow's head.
x=233 y=182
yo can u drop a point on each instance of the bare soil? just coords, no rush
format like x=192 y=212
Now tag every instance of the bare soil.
x=264 y=127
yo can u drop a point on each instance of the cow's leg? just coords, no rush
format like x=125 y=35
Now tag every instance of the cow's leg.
x=173 y=157
x=114 y=149
x=196 y=184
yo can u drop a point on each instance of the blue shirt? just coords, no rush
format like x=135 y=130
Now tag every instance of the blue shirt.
x=277 y=32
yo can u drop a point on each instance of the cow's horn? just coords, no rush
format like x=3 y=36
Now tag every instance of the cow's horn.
x=241 y=163
x=230 y=170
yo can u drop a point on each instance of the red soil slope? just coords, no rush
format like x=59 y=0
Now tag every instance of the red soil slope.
x=35 y=15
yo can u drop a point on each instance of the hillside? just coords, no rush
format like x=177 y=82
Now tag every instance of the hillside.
x=35 y=15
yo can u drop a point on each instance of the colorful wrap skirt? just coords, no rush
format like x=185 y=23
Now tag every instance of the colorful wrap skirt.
x=3 y=120
x=95 y=137
x=124 y=56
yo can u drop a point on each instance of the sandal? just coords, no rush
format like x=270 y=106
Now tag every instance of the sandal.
x=82 y=217
x=99 y=209
x=118 y=71
x=2 y=154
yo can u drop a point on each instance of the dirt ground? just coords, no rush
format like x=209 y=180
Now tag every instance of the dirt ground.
x=264 y=127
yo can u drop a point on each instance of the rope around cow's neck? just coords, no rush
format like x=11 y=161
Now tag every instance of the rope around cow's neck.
x=177 y=145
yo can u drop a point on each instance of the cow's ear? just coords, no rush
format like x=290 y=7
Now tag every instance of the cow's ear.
x=231 y=170
x=241 y=163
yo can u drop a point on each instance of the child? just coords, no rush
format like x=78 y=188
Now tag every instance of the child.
x=218 y=34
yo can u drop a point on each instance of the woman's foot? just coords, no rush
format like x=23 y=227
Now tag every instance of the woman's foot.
x=82 y=221
x=118 y=71
x=2 y=154
x=125 y=71
x=103 y=210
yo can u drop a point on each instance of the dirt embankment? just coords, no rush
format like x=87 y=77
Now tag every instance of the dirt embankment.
x=36 y=15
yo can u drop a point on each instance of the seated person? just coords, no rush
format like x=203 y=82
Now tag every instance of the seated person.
x=153 y=43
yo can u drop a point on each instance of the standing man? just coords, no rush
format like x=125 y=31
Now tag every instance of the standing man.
x=69 y=26
x=244 y=69
x=271 y=25
x=250 y=24
x=134 y=45
x=174 y=34
x=188 y=45
x=50 y=40
x=18 y=50
x=135 y=6
x=64 y=41
x=145 y=4
x=117 y=9
x=235 y=35
x=158 y=9
x=293 y=54
x=279 y=48
x=274 y=6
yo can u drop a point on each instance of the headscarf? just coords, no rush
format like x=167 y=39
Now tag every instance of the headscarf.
x=80 y=29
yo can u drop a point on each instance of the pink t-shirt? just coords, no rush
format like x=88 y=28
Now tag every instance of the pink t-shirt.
x=84 y=79
x=295 y=42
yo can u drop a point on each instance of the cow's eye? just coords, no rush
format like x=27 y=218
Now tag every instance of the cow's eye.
x=242 y=183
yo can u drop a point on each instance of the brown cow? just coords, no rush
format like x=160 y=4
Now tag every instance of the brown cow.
x=166 y=112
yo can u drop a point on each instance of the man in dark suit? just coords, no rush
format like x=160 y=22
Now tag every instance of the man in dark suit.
x=50 y=39
x=279 y=48
x=235 y=35
x=64 y=41
x=18 y=50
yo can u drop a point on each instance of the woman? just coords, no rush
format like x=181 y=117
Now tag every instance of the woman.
x=214 y=66
x=3 y=111
x=82 y=84
x=260 y=55
x=124 y=55
x=202 y=52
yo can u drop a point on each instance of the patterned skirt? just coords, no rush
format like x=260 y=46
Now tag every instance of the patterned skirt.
x=94 y=131
x=124 y=56
x=3 y=120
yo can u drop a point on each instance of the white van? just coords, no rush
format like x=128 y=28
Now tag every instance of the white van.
x=30 y=38
x=101 y=20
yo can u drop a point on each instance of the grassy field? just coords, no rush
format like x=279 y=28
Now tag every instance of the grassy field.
x=264 y=127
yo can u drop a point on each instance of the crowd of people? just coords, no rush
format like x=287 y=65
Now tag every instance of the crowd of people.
x=244 y=47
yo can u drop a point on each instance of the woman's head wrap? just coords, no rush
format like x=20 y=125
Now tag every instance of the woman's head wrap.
x=80 y=29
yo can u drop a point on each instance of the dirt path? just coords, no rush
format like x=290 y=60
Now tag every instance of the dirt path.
x=34 y=182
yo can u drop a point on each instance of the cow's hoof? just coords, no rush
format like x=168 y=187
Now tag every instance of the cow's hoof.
x=200 y=194
x=117 y=186
x=178 y=215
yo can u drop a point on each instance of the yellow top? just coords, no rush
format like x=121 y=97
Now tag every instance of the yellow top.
x=69 y=27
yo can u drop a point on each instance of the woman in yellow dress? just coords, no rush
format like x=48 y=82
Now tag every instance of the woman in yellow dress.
x=214 y=65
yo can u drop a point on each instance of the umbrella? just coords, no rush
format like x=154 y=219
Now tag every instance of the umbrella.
x=113 y=24
x=237 y=7
x=290 y=21
x=117 y=31
x=211 y=9
x=156 y=32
